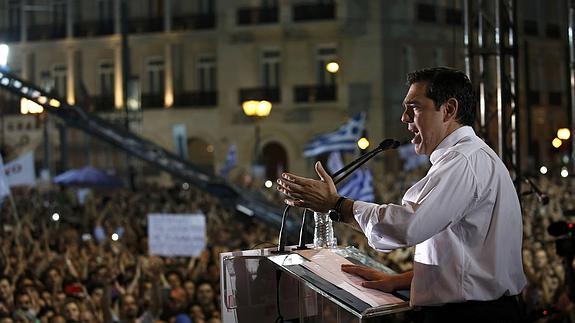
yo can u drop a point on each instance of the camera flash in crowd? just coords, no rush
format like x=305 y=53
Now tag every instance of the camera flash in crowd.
x=55 y=217
x=185 y=186
x=543 y=170
x=115 y=236
x=268 y=183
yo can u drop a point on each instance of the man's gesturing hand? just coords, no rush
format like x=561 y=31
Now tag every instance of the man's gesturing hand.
x=317 y=195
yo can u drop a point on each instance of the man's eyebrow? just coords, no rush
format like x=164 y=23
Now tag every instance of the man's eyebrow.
x=410 y=102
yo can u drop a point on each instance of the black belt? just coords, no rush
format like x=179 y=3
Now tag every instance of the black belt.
x=503 y=309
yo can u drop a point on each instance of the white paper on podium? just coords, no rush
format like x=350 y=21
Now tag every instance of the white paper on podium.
x=327 y=265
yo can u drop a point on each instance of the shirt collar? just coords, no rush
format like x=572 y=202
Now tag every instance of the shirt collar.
x=450 y=141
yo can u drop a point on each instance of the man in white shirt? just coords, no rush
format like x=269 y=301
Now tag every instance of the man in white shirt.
x=463 y=217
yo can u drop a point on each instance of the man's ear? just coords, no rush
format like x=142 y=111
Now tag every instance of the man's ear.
x=451 y=108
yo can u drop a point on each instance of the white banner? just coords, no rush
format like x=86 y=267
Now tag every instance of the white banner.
x=4 y=188
x=20 y=171
x=176 y=234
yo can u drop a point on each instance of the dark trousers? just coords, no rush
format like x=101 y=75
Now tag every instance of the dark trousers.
x=503 y=310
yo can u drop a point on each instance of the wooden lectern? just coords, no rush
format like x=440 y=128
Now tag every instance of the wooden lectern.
x=303 y=286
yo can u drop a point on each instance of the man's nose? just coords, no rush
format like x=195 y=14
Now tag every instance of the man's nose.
x=405 y=116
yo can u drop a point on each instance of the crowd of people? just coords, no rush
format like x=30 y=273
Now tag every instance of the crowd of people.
x=71 y=270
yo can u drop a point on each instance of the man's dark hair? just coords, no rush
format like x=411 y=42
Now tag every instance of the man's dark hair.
x=444 y=83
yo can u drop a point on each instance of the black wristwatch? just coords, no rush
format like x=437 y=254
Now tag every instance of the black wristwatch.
x=335 y=213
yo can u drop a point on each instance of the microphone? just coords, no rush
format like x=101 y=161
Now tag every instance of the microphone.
x=541 y=197
x=344 y=172
x=560 y=228
x=351 y=167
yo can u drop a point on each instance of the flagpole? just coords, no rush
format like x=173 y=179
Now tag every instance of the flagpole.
x=14 y=209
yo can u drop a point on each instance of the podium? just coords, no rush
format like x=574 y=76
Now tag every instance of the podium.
x=303 y=286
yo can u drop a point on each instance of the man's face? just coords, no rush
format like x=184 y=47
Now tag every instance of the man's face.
x=130 y=306
x=72 y=312
x=205 y=294
x=5 y=289
x=24 y=302
x=423 y=119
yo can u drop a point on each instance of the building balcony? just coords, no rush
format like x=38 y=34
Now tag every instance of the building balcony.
x=10 y=34
x=257 y=15
x=102 y=103
x=196 y=99
x=307 y=12
x=152 y=100
x=146 y=25
x=271 y=94
x=46 y=32
x=315 y=93
x=94 y=28
x=194 y=22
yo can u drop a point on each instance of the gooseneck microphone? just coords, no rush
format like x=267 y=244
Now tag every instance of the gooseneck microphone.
x=337 y=177
x=348 y=169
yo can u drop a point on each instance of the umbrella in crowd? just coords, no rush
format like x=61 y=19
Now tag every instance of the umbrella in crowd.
x=88 y=177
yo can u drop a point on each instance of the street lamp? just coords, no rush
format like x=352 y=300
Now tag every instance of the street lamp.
x=332 y=67
x=563 y=133
x=257 y=110
x=31 y=107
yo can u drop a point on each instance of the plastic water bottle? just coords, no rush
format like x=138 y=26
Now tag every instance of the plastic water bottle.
x=323 y=231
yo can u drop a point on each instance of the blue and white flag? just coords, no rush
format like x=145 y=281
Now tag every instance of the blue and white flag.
x=334 y=162
x=343 y=139
x=231 y=160
x=411 y=160
x=359 y=186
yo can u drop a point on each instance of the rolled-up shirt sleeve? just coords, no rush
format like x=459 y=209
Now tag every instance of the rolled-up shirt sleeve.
x=431 y=205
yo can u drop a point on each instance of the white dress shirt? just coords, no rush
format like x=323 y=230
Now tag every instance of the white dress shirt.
x=465 y=221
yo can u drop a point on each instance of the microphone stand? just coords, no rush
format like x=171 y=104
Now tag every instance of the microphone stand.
x=346 y=171
x=541 y=197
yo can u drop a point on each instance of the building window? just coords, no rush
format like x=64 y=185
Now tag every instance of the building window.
x=206 y=74
x=270 y=3
x=14 y=14
x=106 y=72
x=59 y=9
x=426 y=12
x=105 y=10
x=438 y=57
x=205 y=6
x=60 y=78
x=408 y=59
x=270 y=61
x=155 y=68
x=325 y=55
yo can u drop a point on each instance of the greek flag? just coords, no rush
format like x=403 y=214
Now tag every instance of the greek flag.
x=359 y=186
x=334 y=162
x=231 y=160
x=411 y=160
x=343 y=139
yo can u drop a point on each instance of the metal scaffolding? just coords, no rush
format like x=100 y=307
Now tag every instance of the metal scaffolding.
x=572 y=77
x=491 y=53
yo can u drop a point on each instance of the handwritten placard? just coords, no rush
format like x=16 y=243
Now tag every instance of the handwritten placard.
x=176 y=234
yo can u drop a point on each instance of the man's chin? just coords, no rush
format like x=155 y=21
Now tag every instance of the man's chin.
x=418 y=150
